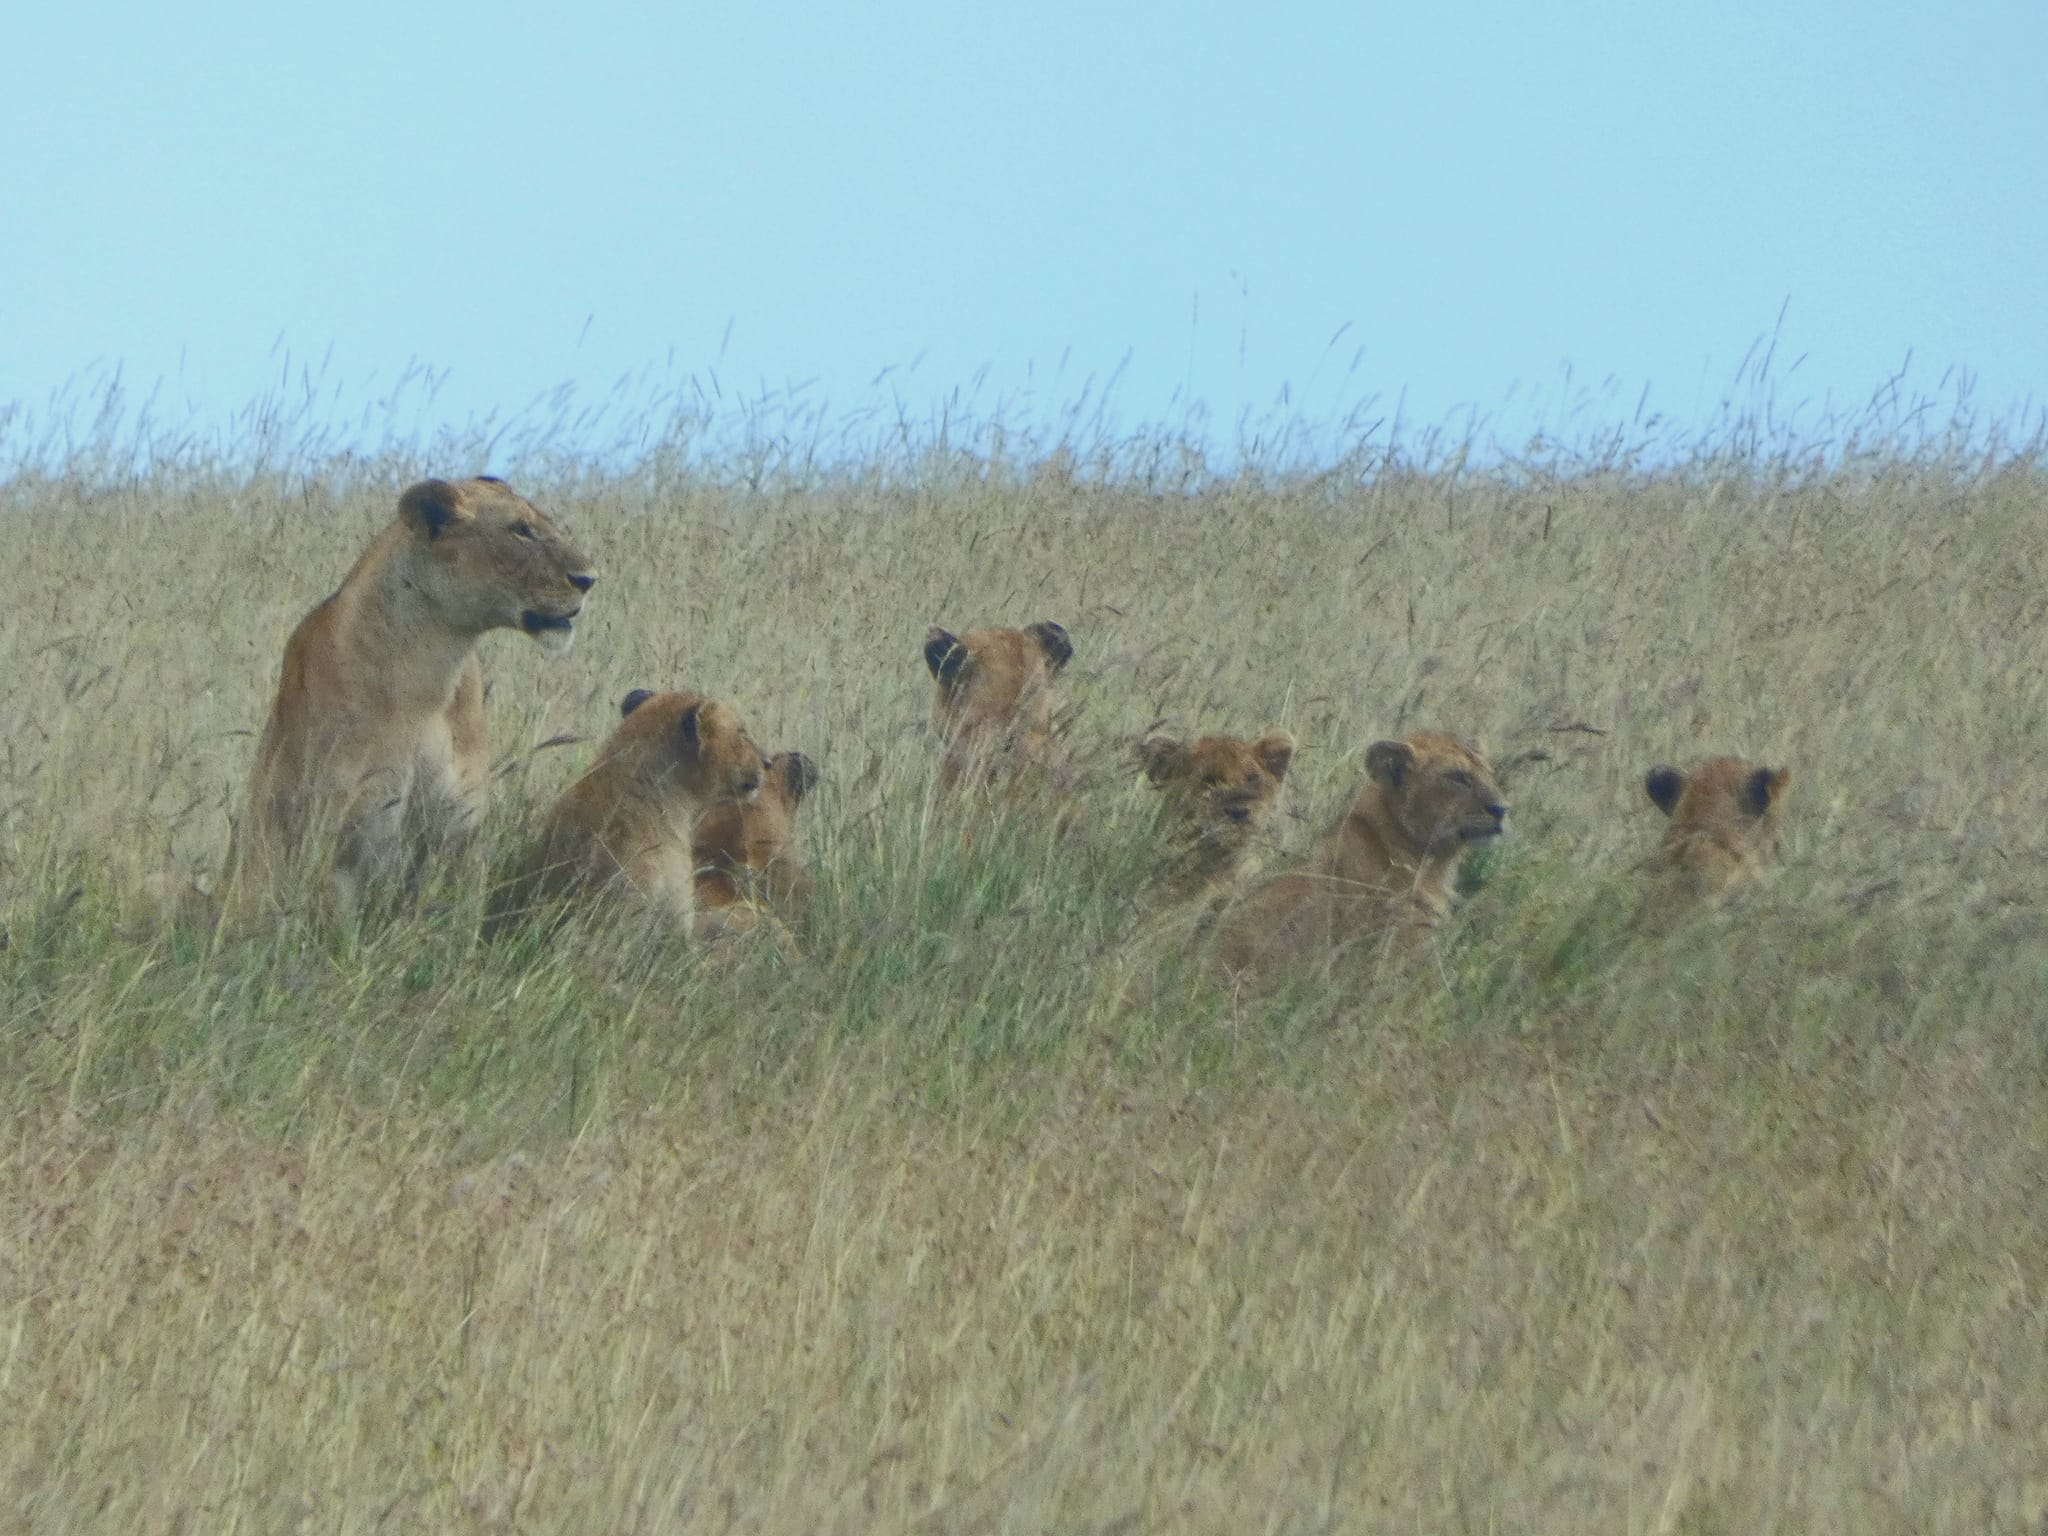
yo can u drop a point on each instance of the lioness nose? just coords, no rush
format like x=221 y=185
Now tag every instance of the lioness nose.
x=582 y=581
x=1497 y=811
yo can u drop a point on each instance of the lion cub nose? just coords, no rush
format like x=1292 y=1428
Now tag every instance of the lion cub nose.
x=1496 y=810
x=582 y=581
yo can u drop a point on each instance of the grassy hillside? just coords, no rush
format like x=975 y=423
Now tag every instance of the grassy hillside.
x=994 y=1213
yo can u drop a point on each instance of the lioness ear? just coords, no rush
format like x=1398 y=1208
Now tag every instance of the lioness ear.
x=430 y=507
x=944 y=654
x=634 y=700
x=1052 y=638
x=1275 y=749
x=1664 y=784
x=1389 y=762
x=1763 y=787
x=799 y=775
x=1162 y=757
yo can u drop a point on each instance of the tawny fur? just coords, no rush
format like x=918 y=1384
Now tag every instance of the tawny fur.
x=750 y=872
x=1723 y=829
x=623 y=831
x=377 y=738
x=1382 y=873
x=994 y=705
x=1218 y=794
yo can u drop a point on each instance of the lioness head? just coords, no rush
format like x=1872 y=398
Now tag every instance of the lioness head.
x=995 y=693
x=1218 y=789
x=1439 y=792
x=1724 y=825
x=487 y=558
x=686 y=747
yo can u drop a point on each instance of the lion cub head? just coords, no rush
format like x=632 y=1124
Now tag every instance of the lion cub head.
x=995 y=696
x=1437 y=795
x=1723 y=830
x=624 y=829
x=746 y=854
x=485 y=557
x=1217 y=797
x=1385 y=871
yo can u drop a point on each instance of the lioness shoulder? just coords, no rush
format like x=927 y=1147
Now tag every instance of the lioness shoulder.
x=376 y=744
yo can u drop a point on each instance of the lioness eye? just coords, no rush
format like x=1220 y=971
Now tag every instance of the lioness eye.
x=523 y=531
x=1460 y=777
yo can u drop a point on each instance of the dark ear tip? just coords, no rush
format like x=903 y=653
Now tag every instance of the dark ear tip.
x=1763 y=784
x=634 y=700
x=1388 y=761
x=802 y=774
x=943 y=653
x=430 y=503
x=1663 y=784
x=1059 y=650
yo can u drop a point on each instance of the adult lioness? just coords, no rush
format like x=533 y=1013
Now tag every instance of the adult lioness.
x=1385 y=870
x=749 y=870
x=377 y=737
x=623 y=831
x=994 y=703
x=1723 y=830
x=1218 y=796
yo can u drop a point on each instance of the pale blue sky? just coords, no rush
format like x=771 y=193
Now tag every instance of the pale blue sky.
x=1476 y=195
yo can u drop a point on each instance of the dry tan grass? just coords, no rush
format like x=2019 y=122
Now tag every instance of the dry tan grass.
x=993 y=1214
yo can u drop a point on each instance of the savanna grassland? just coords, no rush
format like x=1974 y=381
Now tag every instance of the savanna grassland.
x=994 y=1212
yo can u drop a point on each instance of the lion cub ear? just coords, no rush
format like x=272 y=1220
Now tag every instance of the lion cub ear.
x=689 y=730
x=1664 y=784
x=1052 y=639
x=1389 y=762
x=944 y=654
x=431 y=507
x=1274 y=750
x=1764 y=788
x=1162 y=757
x=799 y=774
x=634 y=700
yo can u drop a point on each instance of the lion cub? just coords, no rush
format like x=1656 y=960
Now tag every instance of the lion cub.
x=377 y=736
x=749 y=870
x=1723 y=831
x=1385 y=870
x=623 y=831
x=994 y=703
x=1218 y=794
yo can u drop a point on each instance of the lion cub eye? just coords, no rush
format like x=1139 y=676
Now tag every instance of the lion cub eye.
x=523 y=530
x=1460 y=777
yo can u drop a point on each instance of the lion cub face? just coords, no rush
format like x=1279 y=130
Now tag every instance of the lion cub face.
x=679 y=747
x=1440 y=794
x=487 y=558
x=994 y=702
x=746 y=849
x=1724 y=826
x=1218 y=794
